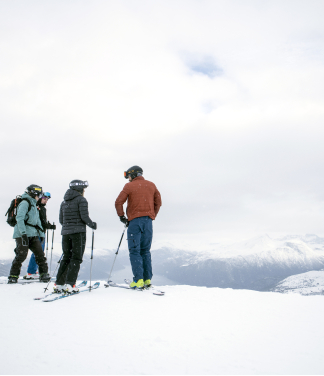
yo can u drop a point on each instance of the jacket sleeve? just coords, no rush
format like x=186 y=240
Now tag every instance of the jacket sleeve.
x=121 y=199
x=21 y=215
x=157 y=201
x=42 y=216
x=61 y=215
x=84 y=212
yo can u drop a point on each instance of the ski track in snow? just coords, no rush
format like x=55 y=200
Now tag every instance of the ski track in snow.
x=190 y=330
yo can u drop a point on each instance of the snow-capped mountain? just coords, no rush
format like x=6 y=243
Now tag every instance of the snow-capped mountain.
x=259 y=263
x=310 y=283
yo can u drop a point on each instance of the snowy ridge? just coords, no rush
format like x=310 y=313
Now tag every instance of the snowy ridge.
x=310 y=283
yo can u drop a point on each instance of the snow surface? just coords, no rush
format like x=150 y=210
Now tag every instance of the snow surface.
x=190 y=330
x=310 y=283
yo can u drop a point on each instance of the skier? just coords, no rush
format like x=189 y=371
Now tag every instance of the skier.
x=26 y=233
x=74 y=217
x=143 y=205
x=41 y=203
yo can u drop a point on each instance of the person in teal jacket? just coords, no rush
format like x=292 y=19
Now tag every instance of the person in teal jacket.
x=26 y=234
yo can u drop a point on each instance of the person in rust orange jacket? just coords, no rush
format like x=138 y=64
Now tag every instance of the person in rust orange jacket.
x=143 y=204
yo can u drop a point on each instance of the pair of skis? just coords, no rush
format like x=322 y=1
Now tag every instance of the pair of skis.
x=151 y=288
x=56 y=296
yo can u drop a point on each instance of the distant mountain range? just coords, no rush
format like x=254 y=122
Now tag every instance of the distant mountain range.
x=258 y=264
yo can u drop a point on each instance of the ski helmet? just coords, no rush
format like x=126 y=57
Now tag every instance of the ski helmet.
x=46 y=195
x=79 y=185
x=34 y=190
x=133 y=172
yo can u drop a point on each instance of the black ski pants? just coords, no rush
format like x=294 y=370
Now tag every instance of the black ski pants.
x=22 y=252
x=73 y=246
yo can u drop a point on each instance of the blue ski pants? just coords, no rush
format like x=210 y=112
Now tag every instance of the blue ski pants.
x=139 y=236
x=32 y=266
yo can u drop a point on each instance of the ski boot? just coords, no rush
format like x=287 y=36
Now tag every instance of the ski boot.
x=137 y=285
x=45 y=277
x=147 y=283
x=58 y=289
x=68 y=289
x=31 y=276
x=13 y=279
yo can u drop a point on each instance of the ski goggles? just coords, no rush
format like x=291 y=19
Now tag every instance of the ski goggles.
x=80 y=184
x=37 y=191
x=46 y=195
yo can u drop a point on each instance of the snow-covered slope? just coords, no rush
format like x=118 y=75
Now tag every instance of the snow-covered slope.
x=190 y=330
x=310 y=283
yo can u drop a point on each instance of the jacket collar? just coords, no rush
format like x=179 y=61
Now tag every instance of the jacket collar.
x=138 y=178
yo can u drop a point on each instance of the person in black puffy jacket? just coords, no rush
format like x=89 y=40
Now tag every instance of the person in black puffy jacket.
x=74 y=217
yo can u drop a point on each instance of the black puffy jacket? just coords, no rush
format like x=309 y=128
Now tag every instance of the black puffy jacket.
x=74 y=214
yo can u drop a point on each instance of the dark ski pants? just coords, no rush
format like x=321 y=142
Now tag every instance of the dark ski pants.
x=139 y=236
x=73 y=246
x=22 y=252
x=32 y=266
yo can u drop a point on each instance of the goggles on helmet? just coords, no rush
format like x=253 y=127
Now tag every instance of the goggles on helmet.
x=37 y=191
x=133 y=172
x=46 y=195
x=80 y=184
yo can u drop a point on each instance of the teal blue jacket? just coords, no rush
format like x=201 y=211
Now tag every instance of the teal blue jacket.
x=32 y=217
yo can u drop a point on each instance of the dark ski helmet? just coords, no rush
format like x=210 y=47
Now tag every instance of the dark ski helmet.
x=34 y=190
x=79 y=185
x=133 y=172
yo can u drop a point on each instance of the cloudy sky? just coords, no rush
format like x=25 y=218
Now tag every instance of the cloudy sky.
x=220 y=102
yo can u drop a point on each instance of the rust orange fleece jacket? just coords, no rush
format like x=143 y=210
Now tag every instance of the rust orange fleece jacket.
x=143 y=199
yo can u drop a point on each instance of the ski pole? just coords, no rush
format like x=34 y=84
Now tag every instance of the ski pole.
x=91 y=258
x=116 y=254
x=58 y=263
x=47 y=244
x=52 y=248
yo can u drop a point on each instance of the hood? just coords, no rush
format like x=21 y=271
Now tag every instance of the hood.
x=70 y=194
x=26 y=195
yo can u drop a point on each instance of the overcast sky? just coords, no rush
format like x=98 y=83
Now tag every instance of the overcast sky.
x=220 y=103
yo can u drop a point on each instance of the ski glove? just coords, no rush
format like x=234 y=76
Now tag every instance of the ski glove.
x=124 y=220
x=24 y=240
x=94 y=227
x=51 y=227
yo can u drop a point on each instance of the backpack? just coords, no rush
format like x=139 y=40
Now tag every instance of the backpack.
x=12 y=211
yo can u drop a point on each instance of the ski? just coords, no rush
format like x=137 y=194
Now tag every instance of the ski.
x=113 y=284
x=61 y=296
x=28 y=281
x=82 y=284
x=24 y=281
